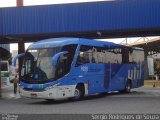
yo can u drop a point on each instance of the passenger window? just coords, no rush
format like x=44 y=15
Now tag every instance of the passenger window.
x=136 y=56
x=113 y=56
x=93 y=54
x=85 y=55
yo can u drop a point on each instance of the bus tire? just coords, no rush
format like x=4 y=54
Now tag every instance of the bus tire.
x=79 y=92
x=128 y=86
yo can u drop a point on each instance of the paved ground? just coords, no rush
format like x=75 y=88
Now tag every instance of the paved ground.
x=141 y=100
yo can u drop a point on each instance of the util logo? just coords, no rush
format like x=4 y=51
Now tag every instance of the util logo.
x=84 y=68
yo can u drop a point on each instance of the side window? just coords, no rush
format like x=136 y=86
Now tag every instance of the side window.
x=92 y=54
x=85 y=55
x=113 y=56
x=71 y=49
x=137 y=56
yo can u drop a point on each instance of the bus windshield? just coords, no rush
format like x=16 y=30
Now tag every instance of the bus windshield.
x=37 y=67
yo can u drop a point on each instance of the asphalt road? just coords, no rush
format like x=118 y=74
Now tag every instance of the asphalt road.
x=141 y=100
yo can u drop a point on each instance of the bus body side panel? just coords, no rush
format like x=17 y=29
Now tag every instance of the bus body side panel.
x=101 y=76
x=107 y=77
x=134 y=72
x=118 y=77
x=92 y=75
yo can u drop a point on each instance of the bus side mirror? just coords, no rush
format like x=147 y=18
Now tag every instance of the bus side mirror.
x=17 y=57
x=56 y=57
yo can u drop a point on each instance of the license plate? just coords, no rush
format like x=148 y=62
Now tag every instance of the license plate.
x=33 y=94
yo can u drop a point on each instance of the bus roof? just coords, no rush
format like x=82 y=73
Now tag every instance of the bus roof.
x=54 y=42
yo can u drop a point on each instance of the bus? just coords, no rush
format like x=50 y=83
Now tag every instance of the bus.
x=4 y=70
x=60 y=68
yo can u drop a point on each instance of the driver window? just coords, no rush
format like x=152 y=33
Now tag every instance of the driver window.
x=63 y=65
x=26 y=67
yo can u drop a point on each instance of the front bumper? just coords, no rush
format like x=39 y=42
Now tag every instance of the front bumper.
x=60 y=92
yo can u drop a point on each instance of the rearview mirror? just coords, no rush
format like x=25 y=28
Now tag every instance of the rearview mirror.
x=56 y=57
x=17 y=57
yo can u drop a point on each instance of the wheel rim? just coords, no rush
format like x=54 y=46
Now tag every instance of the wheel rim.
x=77 y=93
x=128 y=87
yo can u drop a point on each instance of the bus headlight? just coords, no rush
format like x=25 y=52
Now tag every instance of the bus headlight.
x=48 y=88
x=21 y=87
x=50 y=94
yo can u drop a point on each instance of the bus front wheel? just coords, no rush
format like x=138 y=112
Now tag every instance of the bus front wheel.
x=79 y=92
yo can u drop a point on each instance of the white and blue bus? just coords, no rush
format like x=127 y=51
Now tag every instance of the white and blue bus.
x=61 y=68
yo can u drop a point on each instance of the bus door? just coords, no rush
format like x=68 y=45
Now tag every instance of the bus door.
x=82 y=74
x=63 y=66
x=89 y=76
x=96 y=72
x=92 y=74
x=88 y=73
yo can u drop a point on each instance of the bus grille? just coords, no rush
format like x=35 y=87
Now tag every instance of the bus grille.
x=34 y=90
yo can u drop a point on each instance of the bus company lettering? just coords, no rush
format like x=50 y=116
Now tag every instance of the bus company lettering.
x=87 y=69
x=84 y=68
x=135 y=73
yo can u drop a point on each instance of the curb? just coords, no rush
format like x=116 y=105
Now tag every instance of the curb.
x=152 y=83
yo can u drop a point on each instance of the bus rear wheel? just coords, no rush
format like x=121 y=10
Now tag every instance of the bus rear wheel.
x=128 y=87
x=79 y=92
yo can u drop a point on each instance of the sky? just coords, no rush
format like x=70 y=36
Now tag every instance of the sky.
x=11 y=3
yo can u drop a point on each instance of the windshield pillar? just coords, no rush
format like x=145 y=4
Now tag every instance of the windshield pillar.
x=76 y=56
x=21 y=49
